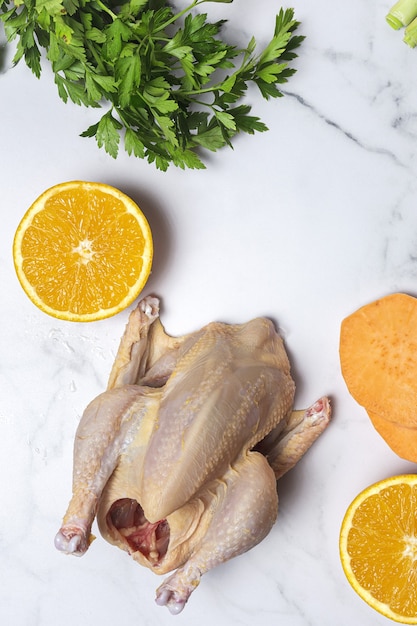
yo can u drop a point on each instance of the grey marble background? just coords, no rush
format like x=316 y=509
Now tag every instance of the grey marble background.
x=303 y=224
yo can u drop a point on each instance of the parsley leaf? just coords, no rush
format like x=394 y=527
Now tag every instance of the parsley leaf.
x=107 y=134
x=170 y=85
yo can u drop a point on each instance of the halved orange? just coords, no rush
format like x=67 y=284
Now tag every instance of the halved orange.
x=378 y=547
x=83 y=251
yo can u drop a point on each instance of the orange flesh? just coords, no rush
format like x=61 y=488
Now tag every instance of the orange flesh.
x=382 y=546
x=84 y=251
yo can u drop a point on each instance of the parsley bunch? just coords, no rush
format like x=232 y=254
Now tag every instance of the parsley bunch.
x=170 y=85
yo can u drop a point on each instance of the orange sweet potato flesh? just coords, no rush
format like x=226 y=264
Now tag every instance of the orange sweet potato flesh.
x=401 y=439
x=378 y=357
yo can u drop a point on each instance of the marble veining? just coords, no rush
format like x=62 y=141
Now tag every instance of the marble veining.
x=302 y=224
x=348 y=134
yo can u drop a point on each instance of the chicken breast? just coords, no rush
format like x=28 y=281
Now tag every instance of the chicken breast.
x=178 y=459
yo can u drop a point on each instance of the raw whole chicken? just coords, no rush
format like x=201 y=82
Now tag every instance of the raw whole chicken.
x=179 y=458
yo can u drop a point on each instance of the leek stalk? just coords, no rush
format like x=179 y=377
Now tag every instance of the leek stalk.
x=410 y=34
x=402 y=13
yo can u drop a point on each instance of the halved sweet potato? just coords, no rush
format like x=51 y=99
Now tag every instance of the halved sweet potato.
x=401 y=439
x=378 y=357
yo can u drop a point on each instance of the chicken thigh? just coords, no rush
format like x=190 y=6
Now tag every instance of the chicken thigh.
x=178 y=459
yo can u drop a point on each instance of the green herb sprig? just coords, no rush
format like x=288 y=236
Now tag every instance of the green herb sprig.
x=170 y=85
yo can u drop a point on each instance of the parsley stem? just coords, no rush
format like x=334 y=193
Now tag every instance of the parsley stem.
x=107 y=10
x=210 y=89
x=181 y=13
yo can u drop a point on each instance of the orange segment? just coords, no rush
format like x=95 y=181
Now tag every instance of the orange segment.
x=83 y=251
x=378 y=547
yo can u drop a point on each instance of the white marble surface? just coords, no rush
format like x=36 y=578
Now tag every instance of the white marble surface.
x=303 y=224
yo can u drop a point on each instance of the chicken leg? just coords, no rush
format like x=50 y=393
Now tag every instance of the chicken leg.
x=246 y=487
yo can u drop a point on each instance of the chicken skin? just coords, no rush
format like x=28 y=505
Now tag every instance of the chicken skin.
x=178 y=459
